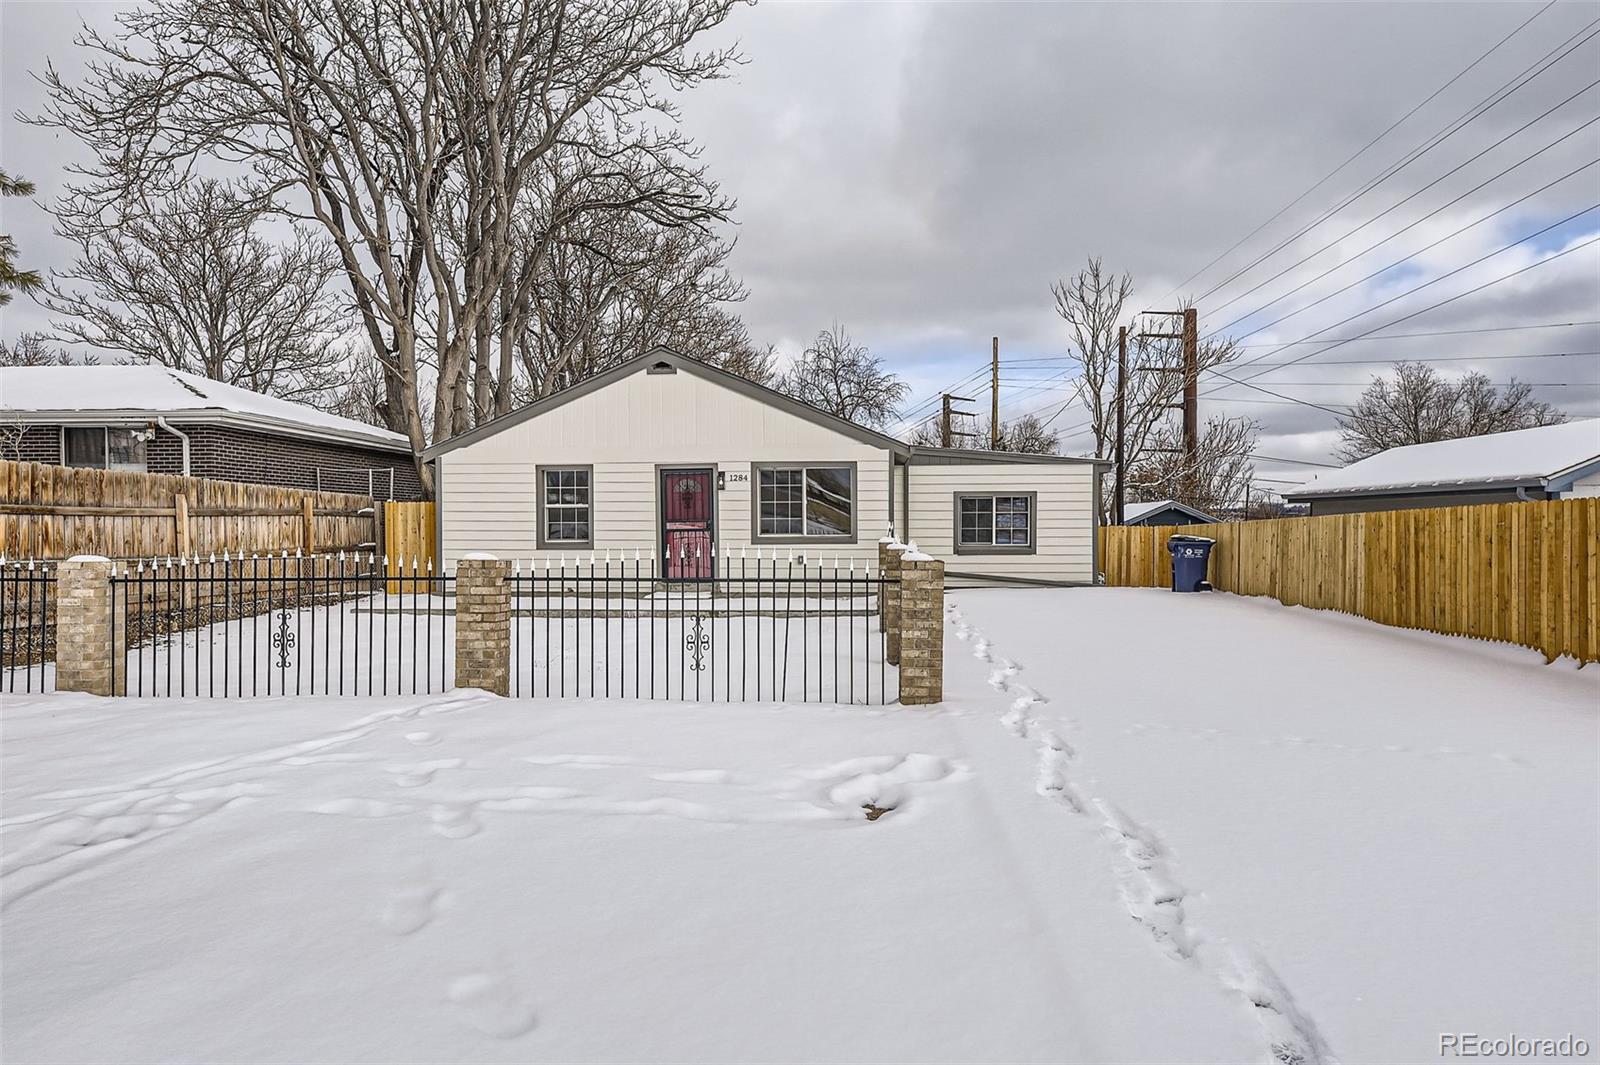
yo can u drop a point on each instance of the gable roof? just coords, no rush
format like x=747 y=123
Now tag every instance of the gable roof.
x=84 y=395
x=1548 y=456
x=1132 y=512
x=744 y=386
x=643 y=363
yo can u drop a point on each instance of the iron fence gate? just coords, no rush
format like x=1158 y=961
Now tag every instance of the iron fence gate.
x=281 y=625
x=27 y=626
x=760 y=629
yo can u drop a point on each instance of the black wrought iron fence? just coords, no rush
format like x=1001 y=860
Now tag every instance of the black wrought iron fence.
x=758 y=629
x=282 y=625
x=27 y=626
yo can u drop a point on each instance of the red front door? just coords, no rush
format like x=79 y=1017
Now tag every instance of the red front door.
x=686 y=510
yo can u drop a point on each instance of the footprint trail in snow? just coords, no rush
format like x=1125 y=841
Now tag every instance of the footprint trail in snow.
x=1152 y=893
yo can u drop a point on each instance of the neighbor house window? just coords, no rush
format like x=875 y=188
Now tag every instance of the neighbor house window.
x=101 y=448
x=994 y=523
x=566 y=503
x=805 y=502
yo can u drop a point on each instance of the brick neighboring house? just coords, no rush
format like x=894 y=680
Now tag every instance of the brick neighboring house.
x=155 y=420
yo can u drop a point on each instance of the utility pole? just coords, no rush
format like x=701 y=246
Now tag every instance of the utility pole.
x=1191 y=386
x=947 y=433
x=994 y=396
x=1122 y=419
x=1190 y=369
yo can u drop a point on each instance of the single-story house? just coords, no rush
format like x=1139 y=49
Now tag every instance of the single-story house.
x=1550 y=462
x=155 y=420
x=1165 y=512
x=671 y=458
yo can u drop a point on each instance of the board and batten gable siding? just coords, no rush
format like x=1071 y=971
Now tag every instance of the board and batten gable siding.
x=1063 y=520
x=626 y=431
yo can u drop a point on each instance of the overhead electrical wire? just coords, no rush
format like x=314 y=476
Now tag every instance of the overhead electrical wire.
x=1373 y=247
x=1364 y=148
x=1449 y=130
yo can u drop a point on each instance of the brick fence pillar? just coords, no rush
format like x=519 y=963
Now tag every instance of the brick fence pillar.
x=921 y=628
x=890 y=595
x=483 y=624
x=884 y=555
x=91 y=641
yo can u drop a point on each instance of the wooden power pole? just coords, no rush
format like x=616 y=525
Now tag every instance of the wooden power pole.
x=1189 y=337
x=947 y=432
x=1191 y=387
x=994 y=396
x=1122 y=420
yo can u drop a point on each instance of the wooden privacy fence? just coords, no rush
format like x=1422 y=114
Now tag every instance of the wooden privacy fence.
x=1525 y=573
x=410 y=539
x=60 y=511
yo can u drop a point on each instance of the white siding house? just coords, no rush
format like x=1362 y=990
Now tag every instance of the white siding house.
x=668 y=457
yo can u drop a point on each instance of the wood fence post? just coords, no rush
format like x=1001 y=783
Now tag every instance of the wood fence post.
x=308 y=526
x=180 y=515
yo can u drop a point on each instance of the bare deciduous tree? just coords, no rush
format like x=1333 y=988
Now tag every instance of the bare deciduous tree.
x=842 y=377
x=626 y=286
x=34 y=349
x=418 y=137
x=190 y=283
x=1419 y=405
x=1217 y=478
x=11 y=277
x=1092 y=306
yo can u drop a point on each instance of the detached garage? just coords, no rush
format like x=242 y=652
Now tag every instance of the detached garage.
x=685 y=463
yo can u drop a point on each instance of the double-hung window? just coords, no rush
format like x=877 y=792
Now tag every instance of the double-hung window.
x=995 y=524
x=805 y=502
x=566 y=506
x=102 y=448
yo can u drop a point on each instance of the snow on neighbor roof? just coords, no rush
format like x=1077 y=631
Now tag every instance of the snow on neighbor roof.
x=1132 y=512
x=80 y=393
x=1529 y=457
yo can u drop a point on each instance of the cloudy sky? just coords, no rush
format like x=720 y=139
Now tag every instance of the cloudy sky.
x=921 y=173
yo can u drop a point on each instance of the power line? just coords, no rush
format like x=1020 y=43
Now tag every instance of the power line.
x=1364 y=148
x=1451 y=358
x=1435 y=281
x=1472 y=114
x=1364 y=384
x=1373 y=247
x=1433 y=333
x=1083 y=427
x=1298 y=462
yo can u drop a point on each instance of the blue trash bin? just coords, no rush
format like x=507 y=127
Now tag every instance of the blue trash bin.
x=1190 y=555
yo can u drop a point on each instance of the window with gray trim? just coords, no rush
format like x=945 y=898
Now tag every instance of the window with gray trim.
x=994 y=521
x=567 y=505
x=101 y=448
x=810 y=501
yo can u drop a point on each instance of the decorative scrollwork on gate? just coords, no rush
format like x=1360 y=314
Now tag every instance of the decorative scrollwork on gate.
x=697 y=643
x=283 y=641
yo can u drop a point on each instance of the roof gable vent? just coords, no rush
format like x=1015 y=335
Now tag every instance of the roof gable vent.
x=662 y=367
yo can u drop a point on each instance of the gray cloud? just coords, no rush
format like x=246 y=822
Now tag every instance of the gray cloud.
x=923 y=172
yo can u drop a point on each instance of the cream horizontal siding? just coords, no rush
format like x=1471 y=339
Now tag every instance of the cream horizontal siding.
x=489 y=495
x=1063 y=522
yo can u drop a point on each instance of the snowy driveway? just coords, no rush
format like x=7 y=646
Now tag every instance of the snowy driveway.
x=1384 y=835
x=1335 y=841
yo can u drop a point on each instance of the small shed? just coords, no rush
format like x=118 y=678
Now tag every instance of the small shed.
x=1549 y=462
x=1165 y=512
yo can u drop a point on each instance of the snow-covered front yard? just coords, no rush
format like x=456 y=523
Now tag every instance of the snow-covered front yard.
x=1142 y=827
